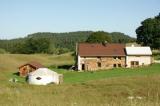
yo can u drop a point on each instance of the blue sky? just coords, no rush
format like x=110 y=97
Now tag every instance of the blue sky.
x=18 y=18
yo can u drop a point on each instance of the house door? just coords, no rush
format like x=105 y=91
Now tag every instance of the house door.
x=83 y=66
x=134 y=63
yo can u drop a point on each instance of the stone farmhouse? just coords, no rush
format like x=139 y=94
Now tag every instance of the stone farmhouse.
x=97 y=56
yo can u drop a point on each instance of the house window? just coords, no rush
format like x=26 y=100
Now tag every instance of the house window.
x=119 y=58
x=134 y=63
x=99 y=57
x=114 y=57
x=99 y=64
x=38 y=78
x=137 y=63
x=114 y=65
x=119 y=65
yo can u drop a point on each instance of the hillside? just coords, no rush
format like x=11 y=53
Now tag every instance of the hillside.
x=11 y=62
x=59 y=42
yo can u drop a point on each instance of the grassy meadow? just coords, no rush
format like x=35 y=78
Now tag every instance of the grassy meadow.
x=11 y=62
x=114 y=87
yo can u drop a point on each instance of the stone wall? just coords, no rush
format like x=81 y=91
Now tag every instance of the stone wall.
x=97 y=63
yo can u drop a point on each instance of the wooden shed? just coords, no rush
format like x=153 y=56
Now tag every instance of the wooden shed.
x=29 y=67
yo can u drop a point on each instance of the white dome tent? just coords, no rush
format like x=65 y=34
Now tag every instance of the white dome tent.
x=43 y=76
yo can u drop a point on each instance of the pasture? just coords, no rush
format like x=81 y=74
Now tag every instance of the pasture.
x=10 y=62
x=114 y=87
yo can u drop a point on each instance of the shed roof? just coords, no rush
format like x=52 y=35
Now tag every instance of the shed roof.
x=98 y=49
x=138 y=51
x=33 y=64
x=43 y=72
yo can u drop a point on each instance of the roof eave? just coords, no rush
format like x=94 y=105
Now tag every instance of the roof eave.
x=139 y=55
x=100 y=55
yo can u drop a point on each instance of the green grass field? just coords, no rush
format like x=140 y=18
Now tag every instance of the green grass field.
x=114 y=87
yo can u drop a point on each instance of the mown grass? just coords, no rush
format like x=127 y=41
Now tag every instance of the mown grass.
x=75 y=77
x=79 y=77
x=103 y=88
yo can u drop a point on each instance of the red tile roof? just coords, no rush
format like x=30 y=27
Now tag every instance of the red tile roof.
x=98 y=49
x=33 y=64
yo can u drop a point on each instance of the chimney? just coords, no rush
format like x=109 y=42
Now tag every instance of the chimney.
x=104 y=43
x=132 y=45
x=76 y=48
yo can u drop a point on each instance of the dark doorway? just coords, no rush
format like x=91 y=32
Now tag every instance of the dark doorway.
x=114 y=65
x=83 y=66
x=99 y=64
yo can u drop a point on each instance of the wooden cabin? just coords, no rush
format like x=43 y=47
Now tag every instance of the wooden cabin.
x=29 y=67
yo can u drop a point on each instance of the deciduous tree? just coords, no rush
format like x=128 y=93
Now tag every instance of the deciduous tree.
x=148 y=34
x=99 y=37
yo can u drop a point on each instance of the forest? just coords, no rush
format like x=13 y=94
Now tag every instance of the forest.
x=54 y=43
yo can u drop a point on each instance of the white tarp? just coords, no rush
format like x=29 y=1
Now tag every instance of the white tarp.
x=43 y=76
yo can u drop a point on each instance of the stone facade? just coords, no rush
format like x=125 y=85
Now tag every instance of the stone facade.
x=98 y=63
x=96 y=56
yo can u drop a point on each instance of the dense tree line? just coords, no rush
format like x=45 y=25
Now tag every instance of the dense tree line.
x=55 y=43
x=99 y=37
x=118 y=37
x=148 y=34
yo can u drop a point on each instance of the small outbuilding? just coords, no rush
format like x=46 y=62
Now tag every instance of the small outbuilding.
x=29 y=67
x=44 y=76
x=138 y=56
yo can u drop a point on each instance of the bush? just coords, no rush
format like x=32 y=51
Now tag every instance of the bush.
x=2 y=51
